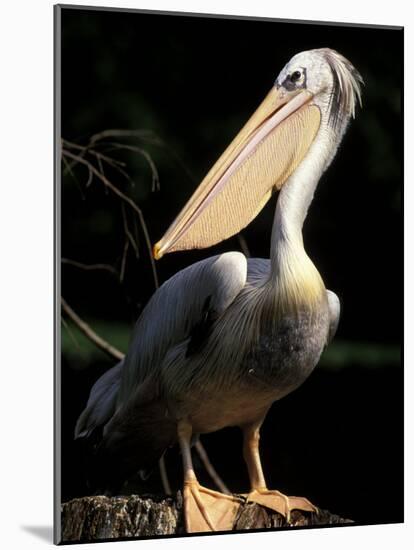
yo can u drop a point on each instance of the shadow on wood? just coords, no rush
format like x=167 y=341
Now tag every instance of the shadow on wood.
x=100 y=517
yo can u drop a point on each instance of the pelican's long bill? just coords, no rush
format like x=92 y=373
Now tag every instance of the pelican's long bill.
x=258 y=161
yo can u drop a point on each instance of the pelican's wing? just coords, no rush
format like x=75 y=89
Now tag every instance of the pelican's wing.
x=178 y=311
x=101 y=403
x=258 y=270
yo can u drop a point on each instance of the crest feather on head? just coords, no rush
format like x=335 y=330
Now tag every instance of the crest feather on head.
x=346 y=90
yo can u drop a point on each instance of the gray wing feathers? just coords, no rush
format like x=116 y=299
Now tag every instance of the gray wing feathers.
x=101 y=402
x=258 y=270
x=335 y=313
x=176 y=308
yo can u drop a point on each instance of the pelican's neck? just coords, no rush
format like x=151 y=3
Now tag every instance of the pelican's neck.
x=292 y=271
x=292 y=206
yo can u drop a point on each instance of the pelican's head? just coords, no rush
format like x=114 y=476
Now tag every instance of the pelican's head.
x=316 y=91
x=329 y=79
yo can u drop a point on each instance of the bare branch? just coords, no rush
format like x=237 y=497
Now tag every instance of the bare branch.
x=87 y=149
x=70 y=332
x=91 y=267
x=123 y=262
x=90 y=177
x=82 y=153
x=68 y=170
x=147 y=135
x=164 y=476
x=146 y=155
x=126 y=199
x=91 y=334
x=116 y=166
x=128 y=233
x=177 y=158
x=114 y=163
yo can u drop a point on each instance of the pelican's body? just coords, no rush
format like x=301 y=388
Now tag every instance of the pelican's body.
x=234 y=384
x=226 y=337
x=241 y=358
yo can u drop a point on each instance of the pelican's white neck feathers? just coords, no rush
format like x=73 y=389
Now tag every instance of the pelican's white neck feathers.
x=336 y=89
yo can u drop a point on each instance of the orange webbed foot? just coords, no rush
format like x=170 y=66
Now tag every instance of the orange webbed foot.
x=208 y=510
x=279 y=502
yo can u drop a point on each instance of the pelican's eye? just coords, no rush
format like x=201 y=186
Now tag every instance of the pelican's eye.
x=294 y=80
x=295 y=76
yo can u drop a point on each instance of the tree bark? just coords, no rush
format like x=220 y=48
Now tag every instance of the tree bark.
x=102 y=518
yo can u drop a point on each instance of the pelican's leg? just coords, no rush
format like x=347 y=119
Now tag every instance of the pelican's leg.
x=258 y=491
x=204 y=509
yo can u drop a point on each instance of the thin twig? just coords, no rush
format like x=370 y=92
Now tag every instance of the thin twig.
x=147 y=135
x=210 y=468
x=116 y=166
x=147 y=156
x=83 y=152
x=91 y=334
x=128 y=233
x=87 y=149
x=125 y=198
x=68 y=170
x=164 y=476
x=135 y=229
x=101 y=170
x=70 y=332
x=90 y=177
x=123 y=262
x=176 y=157
x=91 y=267
x=114 y=163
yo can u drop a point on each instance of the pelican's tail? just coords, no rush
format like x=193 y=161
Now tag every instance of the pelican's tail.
x=101 y=404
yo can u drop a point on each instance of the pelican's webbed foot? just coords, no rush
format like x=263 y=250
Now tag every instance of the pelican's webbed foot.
x=279 y=502
x=208 y=510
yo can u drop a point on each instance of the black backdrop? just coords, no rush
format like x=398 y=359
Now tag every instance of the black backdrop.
x=192 y=82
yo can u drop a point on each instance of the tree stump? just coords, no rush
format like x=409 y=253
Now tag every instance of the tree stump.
x=102 y=518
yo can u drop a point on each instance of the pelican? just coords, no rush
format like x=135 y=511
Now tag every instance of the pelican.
x=226 y=337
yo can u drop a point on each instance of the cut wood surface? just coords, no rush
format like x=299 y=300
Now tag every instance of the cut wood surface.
x=100 y=517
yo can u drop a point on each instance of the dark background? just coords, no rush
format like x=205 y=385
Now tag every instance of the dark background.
x=192 y=82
